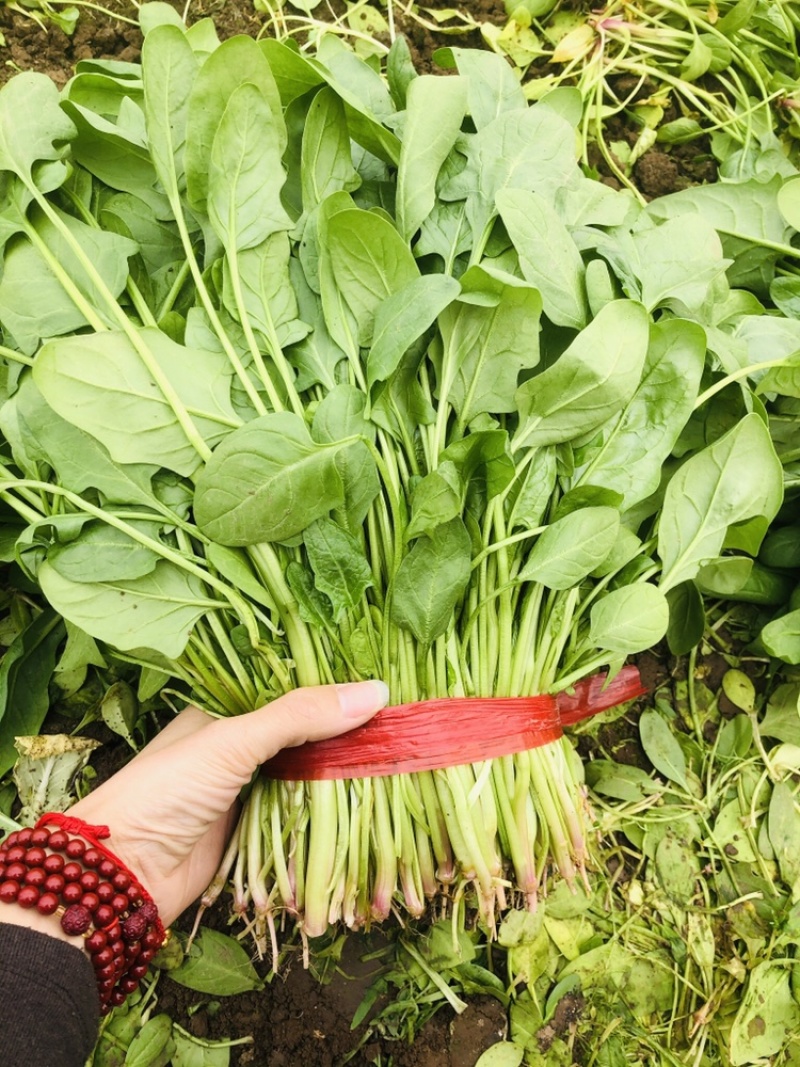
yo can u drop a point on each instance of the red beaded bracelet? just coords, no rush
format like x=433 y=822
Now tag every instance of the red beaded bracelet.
x=69 y=872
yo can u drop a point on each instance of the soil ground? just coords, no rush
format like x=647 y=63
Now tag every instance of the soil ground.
x=296 y=1020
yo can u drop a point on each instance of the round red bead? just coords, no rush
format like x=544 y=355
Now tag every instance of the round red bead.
x=152 y=939
x=90 y=901
x=103 y=958
x=113 y=932
x=89 y=881
x=75 y=849
x=129 y=985
x=106 y=973
x=16 y=871
x=139 y=971
x=72 y=871
x=8 y=892
x=117 y=998
x=54 y=883
x=92 y=857
x=53 y=864
x=106 y=892
x=28 y=897
x=96 y=941
x=147 y=955
x=58 y=841
x=35 y=857
x=3 y=855
x=2 y=871
x=76 y=920
x=48 y=903
x=71 y=893
x=16 y=854
x=24 y=836
x=132 y=950
x=37 y=876
x=121 y=881
x=107 y=868
x=120 y=903
x=40 y=836
x=12 y=839
x=104 y=915
x=105 y=1009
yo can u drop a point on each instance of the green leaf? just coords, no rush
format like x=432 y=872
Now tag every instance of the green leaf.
x=190 y=1053
x=533 y=498
x=435 y=109
x=431 y=580
x=237 y=62
x=327 y=162
x=789 y=202
x=678 y=868
x=748 y=210
x=630 y=619
x=571 y=548
x=661 y=747
x=267 y=481
x=767 y=1018
x=687 y=618
x=530 y=148
x=268 y=300
x=490 y=335
x=784 y=835
x=592 y=381
x=245 y=172
x=781 y=637
x=102 y=553
x=503 y=1054
x=157 y=611
x=33 y=301
x=25 y=672
x=33 y=130
x=339 y=415
x=153 y=1045
x=100 y=383
x=404 y=317
x=169 y=68
x=736 y=478
x=782 y=718
x=493 y=86
x=79 y=460
x=368 y=262
x=216 y=964
x=340 y=567
x=619 y=781
x=233 y=566
x=630 y=450
x=314 y=607
x=119 y=709
x=548 y=256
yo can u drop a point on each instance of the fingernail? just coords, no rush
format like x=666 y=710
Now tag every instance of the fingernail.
x=358 y=699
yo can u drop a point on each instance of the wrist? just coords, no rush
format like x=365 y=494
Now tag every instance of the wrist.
x=11 y=915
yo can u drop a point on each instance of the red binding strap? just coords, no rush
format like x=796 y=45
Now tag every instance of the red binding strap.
x=430 y=734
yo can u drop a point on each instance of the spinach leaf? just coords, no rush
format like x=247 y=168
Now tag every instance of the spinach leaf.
x=738 y=477
x=431 y=580
x=267 y=481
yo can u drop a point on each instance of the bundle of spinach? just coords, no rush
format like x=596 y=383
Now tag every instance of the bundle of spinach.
x=315 y=375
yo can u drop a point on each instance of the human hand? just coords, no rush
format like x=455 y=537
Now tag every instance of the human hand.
x=172 y=808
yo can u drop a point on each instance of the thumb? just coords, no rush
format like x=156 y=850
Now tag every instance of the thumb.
x=307 y=714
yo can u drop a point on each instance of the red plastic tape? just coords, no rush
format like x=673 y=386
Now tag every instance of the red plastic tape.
x=430 y=734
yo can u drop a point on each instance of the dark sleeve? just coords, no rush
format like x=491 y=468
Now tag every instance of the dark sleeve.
x=49 y=1009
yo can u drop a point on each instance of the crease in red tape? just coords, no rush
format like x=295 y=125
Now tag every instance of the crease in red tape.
x=430 y=734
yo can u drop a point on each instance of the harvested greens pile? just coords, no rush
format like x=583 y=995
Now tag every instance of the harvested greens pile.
x=314 y=374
